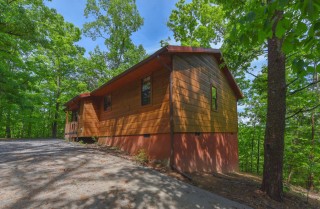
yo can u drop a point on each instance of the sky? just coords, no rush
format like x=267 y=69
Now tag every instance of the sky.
x=155 y=13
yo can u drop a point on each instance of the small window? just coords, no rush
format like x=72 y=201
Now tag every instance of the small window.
x=146 y=91
x=214 y=105
x=107 y=102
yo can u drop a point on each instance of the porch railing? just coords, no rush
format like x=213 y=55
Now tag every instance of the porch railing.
x=71 y=130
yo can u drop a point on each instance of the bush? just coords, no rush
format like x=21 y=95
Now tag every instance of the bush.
x=141 y=156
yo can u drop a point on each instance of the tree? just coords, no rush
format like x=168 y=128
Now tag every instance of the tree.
x=37 y=69
x=20 y=32
x=61 y=62
x=198 y=23
x=115 y=22
x=281 y=28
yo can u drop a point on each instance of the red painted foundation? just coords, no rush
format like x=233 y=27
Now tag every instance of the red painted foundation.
x=209 y=152
x=157 y=146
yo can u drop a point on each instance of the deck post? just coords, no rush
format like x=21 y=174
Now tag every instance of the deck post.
x=66 y=129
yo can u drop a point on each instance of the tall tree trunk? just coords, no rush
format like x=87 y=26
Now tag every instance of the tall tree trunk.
x=311 y=157
x=312 y=154
x=276 y=110
x=30 y=124
x=8 y=124
x=252 y=146
x=258 y=155
x=57 y=108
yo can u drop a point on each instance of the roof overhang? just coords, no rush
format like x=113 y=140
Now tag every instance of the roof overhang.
x=218 y=55
x=155 y=61
x=72 y=104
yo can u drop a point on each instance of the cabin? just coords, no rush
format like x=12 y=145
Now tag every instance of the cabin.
x=179 y=105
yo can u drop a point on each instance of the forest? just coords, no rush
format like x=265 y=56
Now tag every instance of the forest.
x=42 y=67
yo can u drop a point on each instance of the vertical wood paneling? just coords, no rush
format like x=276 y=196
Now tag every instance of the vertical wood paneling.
x=193 y=77
x=89 y=121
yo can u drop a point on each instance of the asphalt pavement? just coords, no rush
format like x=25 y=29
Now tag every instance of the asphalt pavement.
x=59 y=174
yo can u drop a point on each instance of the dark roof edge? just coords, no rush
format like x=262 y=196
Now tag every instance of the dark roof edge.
x=225 y=69
x=162 y=50
x=80 y=96
x=173 y=49
x=230 y=78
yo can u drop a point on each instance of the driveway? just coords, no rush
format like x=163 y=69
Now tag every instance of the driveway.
x=59 y=174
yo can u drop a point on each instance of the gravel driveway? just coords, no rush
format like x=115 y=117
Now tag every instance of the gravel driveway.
x=58 y=174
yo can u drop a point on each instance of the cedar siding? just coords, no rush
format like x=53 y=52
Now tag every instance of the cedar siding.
x=88 y=118
x=178 y=123
x=194 y=75
x=128 y=117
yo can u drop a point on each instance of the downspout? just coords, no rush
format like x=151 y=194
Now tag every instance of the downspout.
x=172 y=166
x=171 y=116
x=170 y=68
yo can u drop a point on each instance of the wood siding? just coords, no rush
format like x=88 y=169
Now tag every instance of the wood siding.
x=192 y=80
x=88 y=118
x=128 y=117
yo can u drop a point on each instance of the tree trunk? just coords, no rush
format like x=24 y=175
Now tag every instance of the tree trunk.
x=312 y=154
x=30 y=123
x=290 y=174
x=56 y=113
x=252 y=146
x=276 y=110
x=8 y=124
x=258 y=155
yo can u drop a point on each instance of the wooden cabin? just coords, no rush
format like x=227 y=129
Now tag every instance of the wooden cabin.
x=179 y=105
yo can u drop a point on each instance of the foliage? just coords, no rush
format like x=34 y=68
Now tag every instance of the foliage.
x=38 y=65
x=248 y=29
x=42 y=67
x=115 y=22
x=141 y=156
x=197 y=23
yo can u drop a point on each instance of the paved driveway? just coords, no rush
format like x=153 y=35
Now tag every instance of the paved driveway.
x=57 y=174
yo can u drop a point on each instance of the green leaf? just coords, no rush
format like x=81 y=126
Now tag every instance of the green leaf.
x=261 y=36
x=287 y=46
x=298 y=66
x=310 y=9
x=251 y=16
x=301 y=28
x=310 y=69
x=280 y=31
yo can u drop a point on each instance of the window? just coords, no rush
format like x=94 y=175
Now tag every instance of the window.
x=214 y=105
x=107 y=102
x=146 y=91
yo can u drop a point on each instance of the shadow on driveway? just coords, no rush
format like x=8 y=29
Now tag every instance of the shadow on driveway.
x=57 y=174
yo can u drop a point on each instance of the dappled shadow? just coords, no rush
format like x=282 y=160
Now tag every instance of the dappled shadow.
x=132 y=127
x=56 y=174
x=205 y=139
x=210 y=152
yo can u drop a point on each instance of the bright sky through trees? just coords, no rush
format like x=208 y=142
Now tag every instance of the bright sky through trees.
x=155 y=14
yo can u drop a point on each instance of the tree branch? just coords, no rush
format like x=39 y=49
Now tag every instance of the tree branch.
x=303 y=110
x=251 y=74
x=291 y=82
x=296 y=91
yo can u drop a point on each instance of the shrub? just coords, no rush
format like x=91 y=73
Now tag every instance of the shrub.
x=141 y=156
